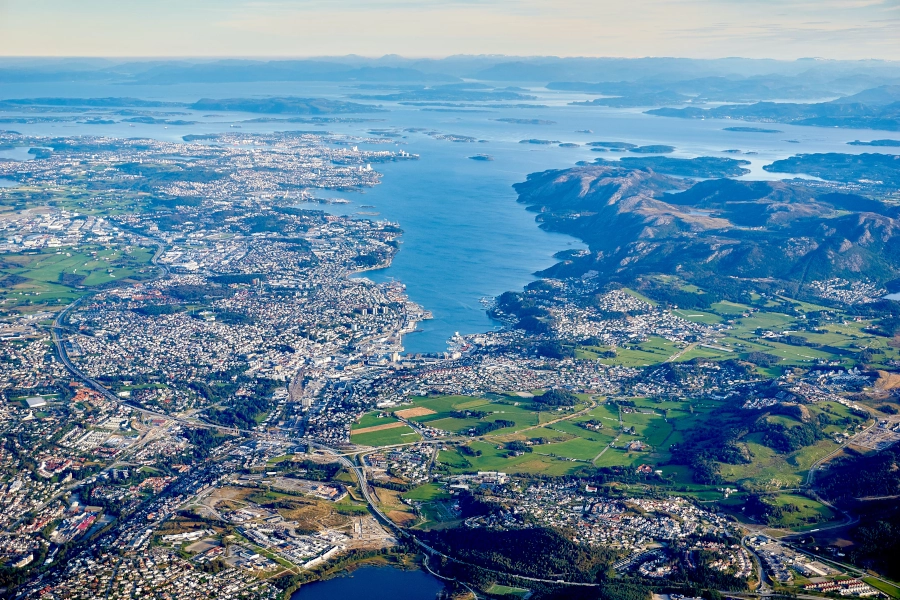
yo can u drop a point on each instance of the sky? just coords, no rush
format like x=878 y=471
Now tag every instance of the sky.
x=783 y=29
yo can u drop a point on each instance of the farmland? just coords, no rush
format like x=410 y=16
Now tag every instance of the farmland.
x=386 y=437
x=58 y=277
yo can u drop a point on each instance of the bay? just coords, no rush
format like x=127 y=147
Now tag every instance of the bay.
x=465 y=236
x=20 y=153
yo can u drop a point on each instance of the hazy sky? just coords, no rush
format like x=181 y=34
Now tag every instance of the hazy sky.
x=278 y=28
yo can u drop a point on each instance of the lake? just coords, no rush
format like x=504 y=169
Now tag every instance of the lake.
x=374 y=583
x=465 y=236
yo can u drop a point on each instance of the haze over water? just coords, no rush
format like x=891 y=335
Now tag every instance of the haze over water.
x=465 y=236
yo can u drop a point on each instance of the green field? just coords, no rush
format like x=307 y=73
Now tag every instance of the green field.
x=808 y=512
x=56 y=277
x=426 y=493
x=504 y=590
x=518 y=410
x=373 y=419
x=652 y=351
x=832 y=340
x=891 y=590
x=565 y=446
x=446 y=404
x=770 y=470
x=727 y=308
x=575 y=448
x=799 y=513
x=492 y=459
x=435 y=513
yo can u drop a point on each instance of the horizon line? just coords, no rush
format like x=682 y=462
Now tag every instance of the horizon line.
x=424 y=57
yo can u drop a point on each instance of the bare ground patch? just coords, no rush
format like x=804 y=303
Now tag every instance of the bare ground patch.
x=887 y=381
x=313 y=517
x=401 y=518
x=378 y=428
x=418 y=411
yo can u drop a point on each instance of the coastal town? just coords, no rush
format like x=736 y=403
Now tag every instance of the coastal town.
x=205 y=395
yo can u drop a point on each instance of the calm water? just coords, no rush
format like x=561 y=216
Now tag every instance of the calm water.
x=465 y=236
x=374 y=583
x=20 y=153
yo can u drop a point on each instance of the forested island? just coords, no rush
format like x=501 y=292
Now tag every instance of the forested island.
x=873 y=169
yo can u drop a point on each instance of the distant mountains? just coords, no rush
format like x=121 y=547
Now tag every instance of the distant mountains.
x=876 y=108
x=712 y=89
x=638 y=221
x=732 y=79
x=291 y=105
x=879 y=96
x=289 y=70
x=854 y=94
x=448 y=93
x=288 y=105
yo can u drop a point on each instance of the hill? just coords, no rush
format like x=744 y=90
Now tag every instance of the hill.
x=286 y=105
x=876 y=108
x=634 y=224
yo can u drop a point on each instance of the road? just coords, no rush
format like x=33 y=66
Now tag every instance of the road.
x=596 y=458
x=682 y=352
x=764 y=587
x=811 y=475
x=359 y=473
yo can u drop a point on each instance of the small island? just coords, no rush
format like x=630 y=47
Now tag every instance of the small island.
x=569 y=145
x=653 y=149
x=525 y=121
x=539 y=142
x=886 y=143
x=612 y=145
x=752 y=130
x=482 y=157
